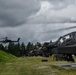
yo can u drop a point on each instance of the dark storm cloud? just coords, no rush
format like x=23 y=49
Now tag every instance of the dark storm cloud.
x=12 y=12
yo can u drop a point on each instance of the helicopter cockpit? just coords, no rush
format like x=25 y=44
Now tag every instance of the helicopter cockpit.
x=68 y=39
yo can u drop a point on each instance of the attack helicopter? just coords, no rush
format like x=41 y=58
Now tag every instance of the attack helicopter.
x=6 y=40
x=65 y=45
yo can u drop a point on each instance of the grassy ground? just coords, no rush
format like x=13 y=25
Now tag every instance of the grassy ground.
x=34 y=66
x=5 y=56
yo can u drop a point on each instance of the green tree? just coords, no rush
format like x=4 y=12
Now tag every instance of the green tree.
x=14 y=49
x=29 y=46
x=17 y=50
x=2 y=47
x=11 y=48
x=23 y=52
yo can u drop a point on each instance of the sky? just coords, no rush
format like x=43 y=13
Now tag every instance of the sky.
x=35 y=20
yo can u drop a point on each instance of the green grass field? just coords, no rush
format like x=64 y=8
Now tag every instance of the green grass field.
x=5 y=56
x=33 y=66
x=11 y=65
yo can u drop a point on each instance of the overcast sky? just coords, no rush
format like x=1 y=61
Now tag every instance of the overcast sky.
x=27 y=19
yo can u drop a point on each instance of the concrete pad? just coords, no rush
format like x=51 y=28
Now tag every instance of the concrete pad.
x=67 y=66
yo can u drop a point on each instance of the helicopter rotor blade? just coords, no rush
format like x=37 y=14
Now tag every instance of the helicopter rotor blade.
x=3 y=38
x=58 y=30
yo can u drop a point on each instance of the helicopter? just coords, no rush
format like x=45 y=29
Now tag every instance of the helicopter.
x=8 y=40
x=65 y=45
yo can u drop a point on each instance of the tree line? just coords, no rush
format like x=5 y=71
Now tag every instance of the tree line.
x=21 y=49
x=30 y=49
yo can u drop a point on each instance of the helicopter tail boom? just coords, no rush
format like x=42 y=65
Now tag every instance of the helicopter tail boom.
x=18 y=39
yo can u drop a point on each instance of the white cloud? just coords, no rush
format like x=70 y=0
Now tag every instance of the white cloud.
x=32 y=33
x=34 y=18
x=50 y=14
